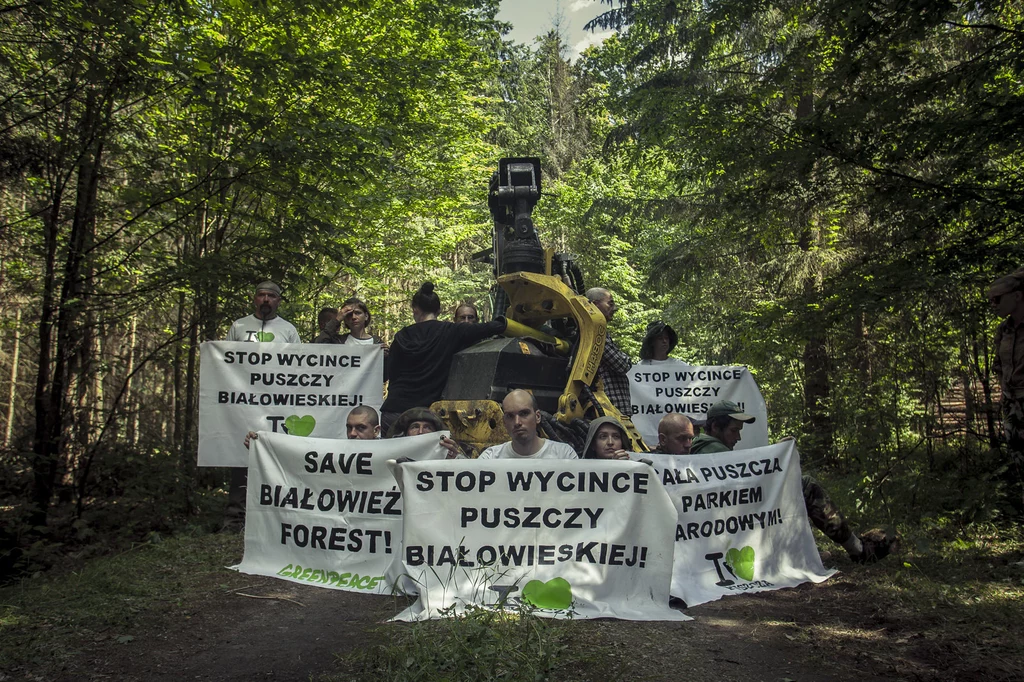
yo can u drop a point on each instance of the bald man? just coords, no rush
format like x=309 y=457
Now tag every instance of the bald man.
x=363 y=423
x=521 y=417
x=615 y=362
x=675 y=435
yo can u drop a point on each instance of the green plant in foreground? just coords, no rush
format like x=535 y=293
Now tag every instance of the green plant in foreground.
x=479 y=644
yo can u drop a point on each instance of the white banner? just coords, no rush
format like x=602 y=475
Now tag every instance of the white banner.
x=742 y=522
x=301 y=389
x=570 y=538
x=660 y=388
x=327 y=512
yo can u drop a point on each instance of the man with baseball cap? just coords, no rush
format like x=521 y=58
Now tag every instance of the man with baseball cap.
x=1006 y=296
x=726 y=420
x=264 y=324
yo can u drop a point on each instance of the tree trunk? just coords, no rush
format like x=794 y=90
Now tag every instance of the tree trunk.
x=132 y=422
x=52 y=389
x=819 y=428
x=12 y=392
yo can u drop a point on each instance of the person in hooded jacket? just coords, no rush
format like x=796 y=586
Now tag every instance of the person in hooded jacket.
x=606 y=439
x=421 y=354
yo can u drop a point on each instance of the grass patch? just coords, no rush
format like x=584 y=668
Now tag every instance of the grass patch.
x=481 y=644
x=961 y=588
x=46 y=619
x=949 y=597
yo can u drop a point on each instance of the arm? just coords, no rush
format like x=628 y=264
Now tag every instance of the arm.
x=614 y=358
x=454 y=452
x=471 y=333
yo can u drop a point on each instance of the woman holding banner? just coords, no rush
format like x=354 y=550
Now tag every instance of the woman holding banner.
x=420 y=420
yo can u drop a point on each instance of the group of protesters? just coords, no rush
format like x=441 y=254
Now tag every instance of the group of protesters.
x=418 y=361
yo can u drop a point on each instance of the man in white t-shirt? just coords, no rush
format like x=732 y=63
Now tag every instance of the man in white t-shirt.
x=521 y=416
x=264 y=324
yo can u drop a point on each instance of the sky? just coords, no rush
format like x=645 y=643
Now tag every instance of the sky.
x=530 y=18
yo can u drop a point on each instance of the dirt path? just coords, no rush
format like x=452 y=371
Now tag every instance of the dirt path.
x=296 y=632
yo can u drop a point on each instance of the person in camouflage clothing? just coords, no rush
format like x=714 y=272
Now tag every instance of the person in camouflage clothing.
x=1006 y=296
x=725 y=420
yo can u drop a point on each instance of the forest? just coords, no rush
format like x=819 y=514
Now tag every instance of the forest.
x=821 y=191
x=821 y=195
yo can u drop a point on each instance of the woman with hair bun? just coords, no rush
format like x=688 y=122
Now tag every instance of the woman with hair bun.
x=421 y=354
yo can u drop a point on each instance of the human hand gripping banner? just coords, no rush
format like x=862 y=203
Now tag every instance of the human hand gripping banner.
x=300 y=389
x=567 y=538
x=742 y=522
x=327 y=512
x=657 y=388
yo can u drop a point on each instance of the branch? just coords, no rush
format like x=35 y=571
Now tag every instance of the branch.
x=987 y=27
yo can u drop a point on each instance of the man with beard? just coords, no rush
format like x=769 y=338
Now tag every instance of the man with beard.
x=264 y=324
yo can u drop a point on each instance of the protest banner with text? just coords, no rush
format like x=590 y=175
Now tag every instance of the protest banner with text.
x=299 y=389
x=576 y=538
x=742 y=522
x=660 y=388
x=327 y=512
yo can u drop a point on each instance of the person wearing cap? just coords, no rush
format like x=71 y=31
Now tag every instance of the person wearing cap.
x=726 y=420
x=660 y=340
x=615 y=363
x=264 y=324
x=1006 y=297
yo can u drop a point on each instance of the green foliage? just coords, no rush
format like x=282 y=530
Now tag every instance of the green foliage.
x=818 y=191
x=848 y=177
x=480 y=644
x=44 y=619
x=162 y=159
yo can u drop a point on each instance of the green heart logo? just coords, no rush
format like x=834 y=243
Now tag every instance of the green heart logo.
x=265 y=337
x=554 y=594
x=300 y=426
x=741 y=561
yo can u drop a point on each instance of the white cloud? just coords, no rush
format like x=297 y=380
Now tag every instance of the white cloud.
x=595 y=38
x=577 y=5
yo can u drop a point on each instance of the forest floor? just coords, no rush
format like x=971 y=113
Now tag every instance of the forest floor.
x=943 y=608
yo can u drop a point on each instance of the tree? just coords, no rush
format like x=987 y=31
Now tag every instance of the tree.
x=847 y=166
